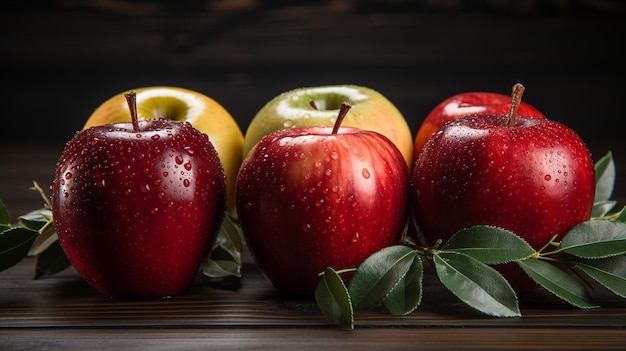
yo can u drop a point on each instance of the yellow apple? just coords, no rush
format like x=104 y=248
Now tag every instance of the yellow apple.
x=319 y=106
x=183 y=105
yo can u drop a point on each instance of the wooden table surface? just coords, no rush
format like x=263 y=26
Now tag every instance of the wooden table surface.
x=63 y=313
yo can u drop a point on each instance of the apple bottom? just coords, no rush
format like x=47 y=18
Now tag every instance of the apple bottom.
x=144 y=267
x=299 y=274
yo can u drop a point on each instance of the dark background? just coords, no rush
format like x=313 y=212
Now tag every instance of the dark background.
x=61 y=59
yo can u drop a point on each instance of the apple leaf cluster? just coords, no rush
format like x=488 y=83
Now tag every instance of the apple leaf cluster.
x=35 y=236
x=392 y=277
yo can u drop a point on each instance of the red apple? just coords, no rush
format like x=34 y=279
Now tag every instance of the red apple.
x=532 y=176
x=309 y=198
x=464 y=104
x=137 y=205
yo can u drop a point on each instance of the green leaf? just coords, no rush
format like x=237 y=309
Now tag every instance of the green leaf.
x=5 y=219
x=610 y=272
x=51 y=260
x=221 y=268
x=595 y=239
x=488 y=244
x=14 y=245
x=620 y=216
x=558 y=282
x=602 y=208
x=47 y=237
x=36 y=219
x=605 y=178
x=333 y=299
x=230 y=240
x=407 y=294
x=476 y=284
x=378 y=274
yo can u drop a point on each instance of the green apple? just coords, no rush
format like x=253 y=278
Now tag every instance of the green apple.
x=319 y=106
x=183 y=105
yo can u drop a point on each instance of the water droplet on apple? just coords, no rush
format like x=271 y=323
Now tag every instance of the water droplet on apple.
x=161 y=195
x=165 y=174
x=188 y=166
x=155 y=137
x=186 y=183
x=365 y=173
x=100 y=183
x=68 y=175
x=355 y=238
x=334 y=155
x=306 y=227
x=94 y=141
x=318 y=164
x=127 y=192
x=138 y=135
x=179 y=159
x=145 y=188
x=319 y=202
x=189 y=150
x=287 y=124
x=547 y=177
x=154 y=210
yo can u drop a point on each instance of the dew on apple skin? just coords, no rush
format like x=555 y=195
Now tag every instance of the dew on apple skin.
x=68 y=175
x=188 y=166
x=178 y=159
x=287 y=124
x=365 y=173
x=145 y=188
x=547 y=177
x=355 y=238
x=186 y=183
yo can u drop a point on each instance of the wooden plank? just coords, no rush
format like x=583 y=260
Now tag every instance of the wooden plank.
x=141 y=339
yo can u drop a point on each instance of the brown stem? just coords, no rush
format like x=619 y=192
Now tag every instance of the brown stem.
x=313 y=104
x=516 y=97
x=343 y=111
x=131 y=98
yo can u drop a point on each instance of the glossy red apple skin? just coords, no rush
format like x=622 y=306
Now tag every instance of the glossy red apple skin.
x=536 y=179
x=137 y=212
x=463 y=104
x=308 y=200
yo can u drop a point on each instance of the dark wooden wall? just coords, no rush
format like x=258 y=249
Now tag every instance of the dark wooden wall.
x=60 y=59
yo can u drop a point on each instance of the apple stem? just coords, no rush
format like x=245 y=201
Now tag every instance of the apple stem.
x=131 y=98
x=314 y=105
x=343 y=111
x=516 y=97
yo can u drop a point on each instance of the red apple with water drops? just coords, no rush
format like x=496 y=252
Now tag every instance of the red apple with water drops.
x=309 y=198
x=137 y=205
x=532 y=176
x=464 y=104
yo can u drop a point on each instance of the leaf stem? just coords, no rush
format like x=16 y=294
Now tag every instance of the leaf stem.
x=46 y=199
